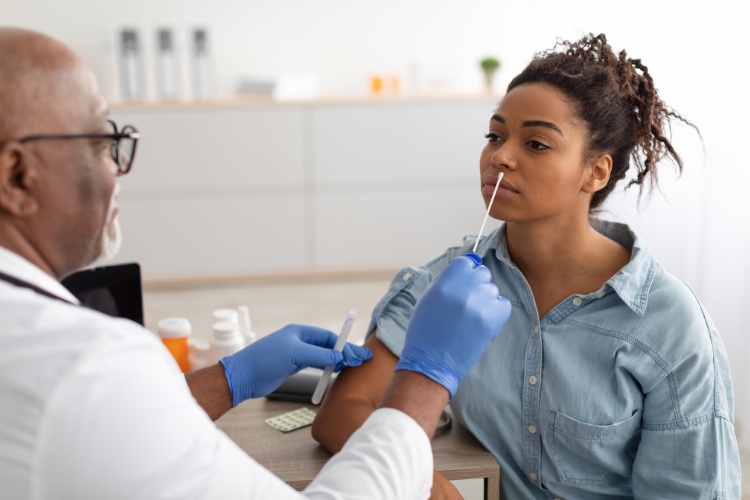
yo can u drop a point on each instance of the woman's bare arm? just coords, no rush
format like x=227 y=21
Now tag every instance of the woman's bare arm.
x=353 y=396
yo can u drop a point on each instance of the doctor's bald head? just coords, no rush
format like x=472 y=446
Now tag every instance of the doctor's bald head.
x=40 y=84
x=58 y=177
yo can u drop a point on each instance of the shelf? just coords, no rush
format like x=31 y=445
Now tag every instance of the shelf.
x=331 y=100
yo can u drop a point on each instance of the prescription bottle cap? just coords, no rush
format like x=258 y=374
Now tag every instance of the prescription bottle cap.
x=174 y=328
x=225 y=330
x=226 y=314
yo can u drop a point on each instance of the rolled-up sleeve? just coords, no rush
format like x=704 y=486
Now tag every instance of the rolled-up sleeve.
x=698 y=461
x=391 y=315
x=688 y=445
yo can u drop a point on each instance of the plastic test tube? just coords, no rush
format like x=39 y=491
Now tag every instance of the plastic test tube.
x=320 y=390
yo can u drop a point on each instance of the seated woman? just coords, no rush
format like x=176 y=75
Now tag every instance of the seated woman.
x=609 y=379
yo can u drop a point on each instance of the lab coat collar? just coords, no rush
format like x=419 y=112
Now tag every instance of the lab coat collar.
x=14 y=265
x=632 y=283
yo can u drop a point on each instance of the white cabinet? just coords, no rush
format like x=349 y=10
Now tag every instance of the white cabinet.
x=192 y=149
x=419 y=143
x=214 y=234
x=240 y=189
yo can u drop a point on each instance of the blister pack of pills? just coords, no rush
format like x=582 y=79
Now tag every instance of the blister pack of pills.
x=292 y=420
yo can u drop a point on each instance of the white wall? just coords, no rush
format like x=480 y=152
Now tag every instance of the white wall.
x=700 y=229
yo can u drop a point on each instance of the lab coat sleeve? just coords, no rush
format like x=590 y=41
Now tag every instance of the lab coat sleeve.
x=388 y=457
x=122 y=424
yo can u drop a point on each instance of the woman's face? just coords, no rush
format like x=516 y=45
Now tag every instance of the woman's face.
x=536 y=140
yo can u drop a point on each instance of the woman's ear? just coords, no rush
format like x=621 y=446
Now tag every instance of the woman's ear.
x=597 y=173
x=16 y=180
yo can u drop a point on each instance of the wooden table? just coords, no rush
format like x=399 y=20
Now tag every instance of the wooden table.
x=297 y=458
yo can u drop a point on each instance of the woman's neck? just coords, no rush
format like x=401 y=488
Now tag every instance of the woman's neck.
x=549 y=249
x=569 y=256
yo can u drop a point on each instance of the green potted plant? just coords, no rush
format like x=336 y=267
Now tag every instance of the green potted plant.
x=489 y=65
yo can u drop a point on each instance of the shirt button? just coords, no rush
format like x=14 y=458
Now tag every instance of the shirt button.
x=536 y=329
x=532 y=429
x=406 y=276
x=599 y=295
x=532 y=380
x=532 y=476
x=577 y=301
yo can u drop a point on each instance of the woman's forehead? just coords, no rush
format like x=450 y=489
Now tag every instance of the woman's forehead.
x=537 y=101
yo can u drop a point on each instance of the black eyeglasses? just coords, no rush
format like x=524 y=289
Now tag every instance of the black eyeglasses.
x=122 y=149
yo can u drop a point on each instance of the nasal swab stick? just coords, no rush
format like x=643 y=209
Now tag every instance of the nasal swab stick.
x=481 y=229
x=339 y=346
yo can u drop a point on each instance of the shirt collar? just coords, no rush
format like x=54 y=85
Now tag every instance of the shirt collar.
x=14 y=265
x=632 y=283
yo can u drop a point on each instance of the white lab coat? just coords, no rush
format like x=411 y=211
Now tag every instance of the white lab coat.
x=94 y=407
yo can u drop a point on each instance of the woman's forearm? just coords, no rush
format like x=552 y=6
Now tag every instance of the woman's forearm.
x=353 y=397
x=419 y=397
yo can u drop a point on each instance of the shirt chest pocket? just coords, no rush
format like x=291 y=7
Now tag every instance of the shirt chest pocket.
x=594 y=454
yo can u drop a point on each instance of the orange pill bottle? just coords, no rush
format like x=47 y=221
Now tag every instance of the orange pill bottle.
x=175 y=333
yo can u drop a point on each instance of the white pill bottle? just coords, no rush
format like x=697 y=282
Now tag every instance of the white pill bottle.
x=225 y=341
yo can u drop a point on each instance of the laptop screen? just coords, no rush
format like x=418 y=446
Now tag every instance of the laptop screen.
x=115 y=290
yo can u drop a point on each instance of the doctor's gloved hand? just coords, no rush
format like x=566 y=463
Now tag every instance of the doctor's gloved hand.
x=264 y=365
x=455 y=320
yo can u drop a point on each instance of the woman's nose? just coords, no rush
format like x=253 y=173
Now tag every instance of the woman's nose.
x=503 y=158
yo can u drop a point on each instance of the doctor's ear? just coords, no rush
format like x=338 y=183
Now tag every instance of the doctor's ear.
x=597 y=173
x=16 y=181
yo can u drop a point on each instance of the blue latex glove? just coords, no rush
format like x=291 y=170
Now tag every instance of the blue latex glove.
x=264 y=365
x=455 y=320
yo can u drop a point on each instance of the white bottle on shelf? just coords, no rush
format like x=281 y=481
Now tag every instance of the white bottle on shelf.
x=203 y=72
x=167 y=71
x=225 y=341
x=131 y=71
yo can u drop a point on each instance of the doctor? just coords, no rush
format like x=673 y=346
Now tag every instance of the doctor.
x=94 y=407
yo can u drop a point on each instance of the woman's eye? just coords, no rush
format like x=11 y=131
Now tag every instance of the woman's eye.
x=537 y=145
x=492 y=137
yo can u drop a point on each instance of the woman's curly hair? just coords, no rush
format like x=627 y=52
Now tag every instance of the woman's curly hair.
x=615 y=96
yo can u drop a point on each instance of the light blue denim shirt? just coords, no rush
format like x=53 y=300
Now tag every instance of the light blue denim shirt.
x=621 y=393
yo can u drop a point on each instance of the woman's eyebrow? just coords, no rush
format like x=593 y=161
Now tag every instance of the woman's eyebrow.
x=542 y=123
x=533 y=123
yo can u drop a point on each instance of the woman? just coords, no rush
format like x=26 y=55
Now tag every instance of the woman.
x=609 y=379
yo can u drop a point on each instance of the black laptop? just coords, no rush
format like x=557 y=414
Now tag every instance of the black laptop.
x=115 y=290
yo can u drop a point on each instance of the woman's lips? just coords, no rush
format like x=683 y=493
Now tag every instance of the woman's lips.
x=488 y=186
